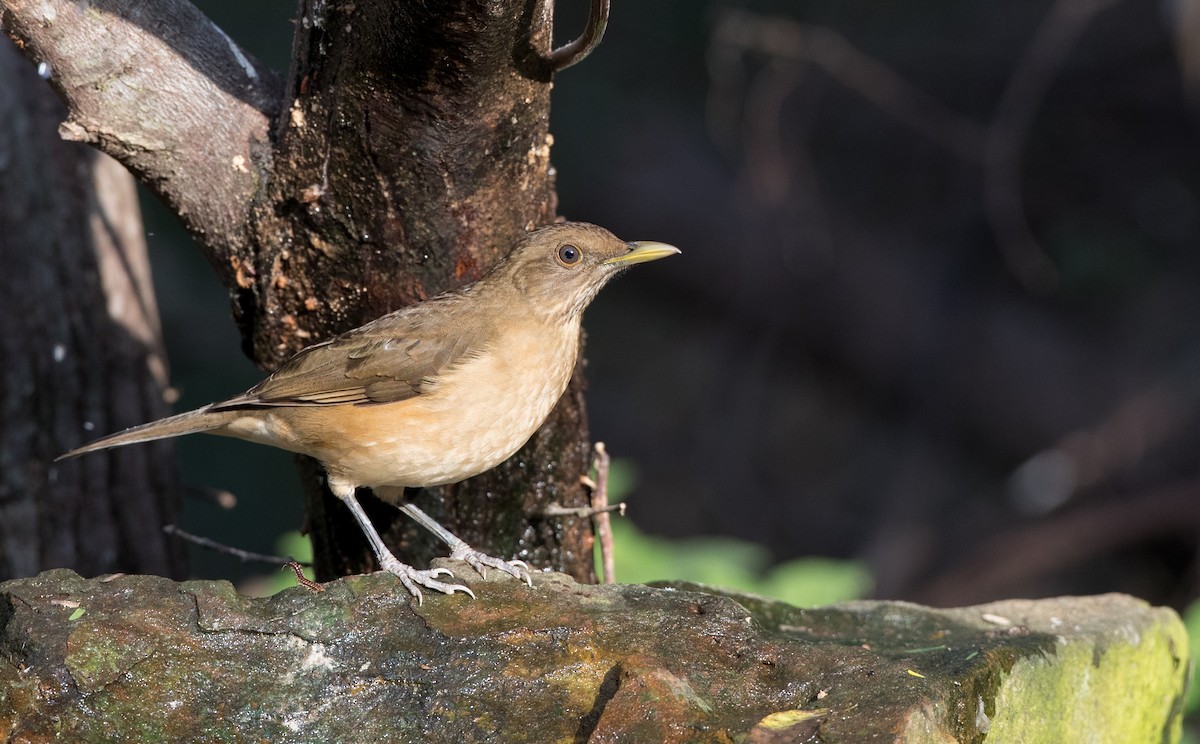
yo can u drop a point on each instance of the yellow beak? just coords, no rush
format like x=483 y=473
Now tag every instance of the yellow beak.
x=643 y=251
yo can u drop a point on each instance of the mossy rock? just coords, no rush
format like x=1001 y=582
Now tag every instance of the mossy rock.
x=145 y=659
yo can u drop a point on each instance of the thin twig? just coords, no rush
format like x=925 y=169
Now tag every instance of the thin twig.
x=582 y=512
x=245 y=556
x=600 y=521
x=577 y=50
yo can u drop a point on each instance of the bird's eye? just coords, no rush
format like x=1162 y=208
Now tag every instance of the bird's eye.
x=569 y=255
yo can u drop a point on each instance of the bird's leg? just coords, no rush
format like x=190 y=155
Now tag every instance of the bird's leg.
x=460 y=551
x=408 y=575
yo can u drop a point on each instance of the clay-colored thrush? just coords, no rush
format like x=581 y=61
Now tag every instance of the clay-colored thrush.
x=433 y=393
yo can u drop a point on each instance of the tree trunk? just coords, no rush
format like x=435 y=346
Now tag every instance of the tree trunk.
x=414 y=152
x=80 y=352
x=408 y=151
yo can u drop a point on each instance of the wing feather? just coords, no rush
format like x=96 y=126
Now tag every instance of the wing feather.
x=390 y=359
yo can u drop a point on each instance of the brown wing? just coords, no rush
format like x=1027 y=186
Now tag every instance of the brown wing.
x=387 y=360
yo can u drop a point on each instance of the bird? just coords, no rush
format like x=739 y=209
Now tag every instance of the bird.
x=430 y=394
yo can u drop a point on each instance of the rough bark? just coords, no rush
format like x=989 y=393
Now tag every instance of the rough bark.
x=80 y=351
x=163 y=90
x=144 y=659
x=407 y=152
x=414 y=151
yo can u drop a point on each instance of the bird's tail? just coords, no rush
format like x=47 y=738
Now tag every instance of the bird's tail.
x=192 y=422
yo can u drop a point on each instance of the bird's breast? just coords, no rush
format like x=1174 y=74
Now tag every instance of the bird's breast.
x=467 y=420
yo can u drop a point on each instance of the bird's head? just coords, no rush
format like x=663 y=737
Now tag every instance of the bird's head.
x=561 y=267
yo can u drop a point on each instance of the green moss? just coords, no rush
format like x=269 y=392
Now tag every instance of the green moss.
x=1120 y=691
x=95 y=662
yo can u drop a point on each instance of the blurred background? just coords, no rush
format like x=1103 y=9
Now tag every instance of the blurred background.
x=934 y=335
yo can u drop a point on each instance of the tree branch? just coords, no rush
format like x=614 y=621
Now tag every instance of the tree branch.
x=148 y=84
x=577 y=50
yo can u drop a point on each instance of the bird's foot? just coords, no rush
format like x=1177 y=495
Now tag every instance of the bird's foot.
x=413 y=579
x=481 y=562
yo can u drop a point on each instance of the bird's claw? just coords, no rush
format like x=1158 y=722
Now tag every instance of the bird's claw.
x=413 y=579
x=481 y=562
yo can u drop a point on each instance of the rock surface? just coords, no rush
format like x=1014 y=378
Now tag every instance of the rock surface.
x=141 y=658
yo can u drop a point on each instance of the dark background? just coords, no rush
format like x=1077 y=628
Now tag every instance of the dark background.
x=937 y=308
